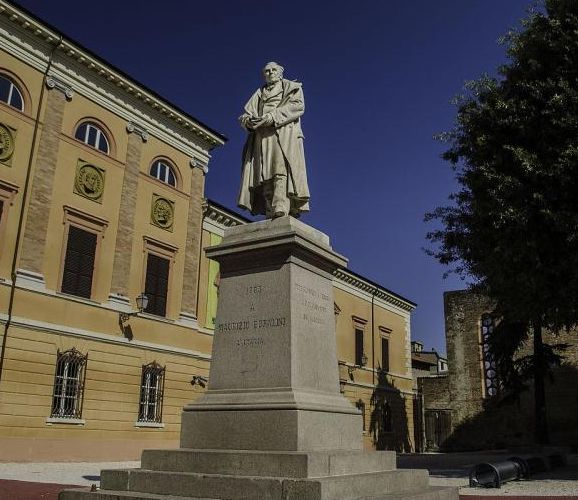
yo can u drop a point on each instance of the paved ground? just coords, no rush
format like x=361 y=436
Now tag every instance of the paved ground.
x=43 y=481
x=452 y=469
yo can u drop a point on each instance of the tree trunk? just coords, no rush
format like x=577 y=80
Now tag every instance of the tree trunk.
x=541 y=421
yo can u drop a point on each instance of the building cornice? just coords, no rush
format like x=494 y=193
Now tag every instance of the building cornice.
x=370 y=288
x=219 y=218
x=99 y=68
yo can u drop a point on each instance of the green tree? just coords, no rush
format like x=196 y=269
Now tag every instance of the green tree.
x=512 y=227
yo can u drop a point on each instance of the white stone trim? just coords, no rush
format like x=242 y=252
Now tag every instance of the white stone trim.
x=216 y=220
x=67 y=421
x=132 y=127
x=30 y=280
x=58 y=329
x=366 y=290
x=55 y=83
x=152 y=425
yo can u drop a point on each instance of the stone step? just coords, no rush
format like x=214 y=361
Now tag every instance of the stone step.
x=430 y=493
x=268 y=464
x=85 y=494
x=344 y=487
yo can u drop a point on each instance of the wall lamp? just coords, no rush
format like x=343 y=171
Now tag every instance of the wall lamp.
x=198 y=380
x=142 y=301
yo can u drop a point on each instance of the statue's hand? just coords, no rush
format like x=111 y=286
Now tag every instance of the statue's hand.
x=246 y=122
x=267 y=120
x=264 y=121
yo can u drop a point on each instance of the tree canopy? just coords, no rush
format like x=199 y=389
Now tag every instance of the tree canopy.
x=512 y=227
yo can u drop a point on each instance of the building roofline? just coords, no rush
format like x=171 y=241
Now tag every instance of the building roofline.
x=71 y=48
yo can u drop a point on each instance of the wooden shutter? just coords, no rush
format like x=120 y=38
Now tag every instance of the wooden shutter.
x=157 y=284
x=79 y=262
x=358 y=347
x=385 y=354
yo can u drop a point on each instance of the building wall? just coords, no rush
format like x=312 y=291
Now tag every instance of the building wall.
x=479 y=421
x=43 y=321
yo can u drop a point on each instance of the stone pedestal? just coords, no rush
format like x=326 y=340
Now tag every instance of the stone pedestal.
x=272 y=424
x=274 y=382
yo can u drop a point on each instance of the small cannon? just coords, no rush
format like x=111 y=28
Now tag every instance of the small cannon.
x=492 y=475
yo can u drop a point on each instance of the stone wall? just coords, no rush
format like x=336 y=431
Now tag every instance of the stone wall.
x=435 y=392
x=479 y=422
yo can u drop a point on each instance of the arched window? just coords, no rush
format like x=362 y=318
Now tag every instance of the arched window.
x=162 y=171
x=10 y=93
x=92 y=134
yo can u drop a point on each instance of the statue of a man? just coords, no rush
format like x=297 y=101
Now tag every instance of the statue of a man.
x=274 y=180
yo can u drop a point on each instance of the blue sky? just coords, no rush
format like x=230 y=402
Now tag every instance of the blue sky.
x=378 y=77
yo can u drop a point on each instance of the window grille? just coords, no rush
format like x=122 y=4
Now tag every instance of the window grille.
x=358 y=347
x=10 y=93
x=360 y=405
x=151 y=393
x=157 y=284
x=162 y=171
x=69 y=378
x=91 y=134
x=384 y=354
x=79 y=262
x=491 y=383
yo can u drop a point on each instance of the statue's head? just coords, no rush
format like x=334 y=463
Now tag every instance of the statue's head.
x=272 y=72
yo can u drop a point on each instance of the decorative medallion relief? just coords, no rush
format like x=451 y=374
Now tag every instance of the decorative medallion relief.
x=89 y=181
x=162 y=212
x=6 y=143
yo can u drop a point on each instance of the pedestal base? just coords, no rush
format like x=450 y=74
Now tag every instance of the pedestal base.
x=249 y=475
x=274 y=430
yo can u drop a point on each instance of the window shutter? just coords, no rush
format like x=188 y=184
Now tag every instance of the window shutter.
x=358 y=347
x=79 y=262
x=385 y=354
x=157 y=284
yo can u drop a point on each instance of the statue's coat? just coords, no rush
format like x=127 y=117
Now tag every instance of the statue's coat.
x=287 y=124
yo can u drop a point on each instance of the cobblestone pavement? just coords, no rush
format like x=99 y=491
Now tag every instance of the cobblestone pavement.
x=452 y=469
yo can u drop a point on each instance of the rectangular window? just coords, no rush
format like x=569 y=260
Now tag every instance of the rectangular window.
x=68 y=390
x=157 y=284
x=151 y=393
x=358 y=347
x=79 y=262
x=384 y=354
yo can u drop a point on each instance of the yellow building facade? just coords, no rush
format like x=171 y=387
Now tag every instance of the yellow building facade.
x=102 y=201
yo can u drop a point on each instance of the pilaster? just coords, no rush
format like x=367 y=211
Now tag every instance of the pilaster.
x=193 y=246
x=125 y=233
x=34 y=238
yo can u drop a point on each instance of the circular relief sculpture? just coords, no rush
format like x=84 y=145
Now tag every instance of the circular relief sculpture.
x=163 y=213
x=90 y=182
x=6 y=143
